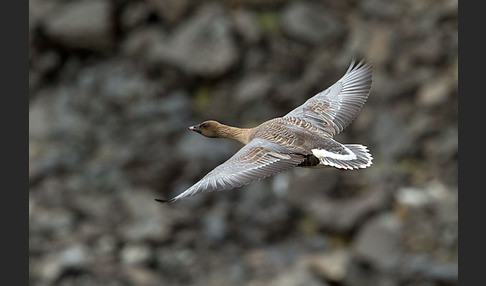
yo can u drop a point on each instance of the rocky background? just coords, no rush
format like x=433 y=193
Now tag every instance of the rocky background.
x=115 y=84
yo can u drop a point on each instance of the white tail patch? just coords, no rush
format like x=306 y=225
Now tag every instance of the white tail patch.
x=355 y=157
x=321 y=153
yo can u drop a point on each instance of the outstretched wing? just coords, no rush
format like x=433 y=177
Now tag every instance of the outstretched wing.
x=256 y=160
x=334 y=108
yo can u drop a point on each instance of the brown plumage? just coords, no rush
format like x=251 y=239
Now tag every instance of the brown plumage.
x=302 y=138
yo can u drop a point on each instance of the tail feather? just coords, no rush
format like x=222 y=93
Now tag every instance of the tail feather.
x=362 y=158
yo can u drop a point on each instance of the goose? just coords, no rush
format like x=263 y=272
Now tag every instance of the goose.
x=301 y=138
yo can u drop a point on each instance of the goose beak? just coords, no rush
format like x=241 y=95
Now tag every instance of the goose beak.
x=195 y=128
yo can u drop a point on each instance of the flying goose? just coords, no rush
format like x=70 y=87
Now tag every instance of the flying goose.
x=302 y=138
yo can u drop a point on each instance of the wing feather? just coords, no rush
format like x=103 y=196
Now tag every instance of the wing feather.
x=256 y=160
x=335 y=108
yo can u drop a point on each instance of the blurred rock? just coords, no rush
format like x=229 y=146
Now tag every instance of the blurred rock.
x=106 y=244
x=216 y=227
x=202 y=46
x=52 y=220
x=48 y=270
x=383 y=8
x=50 y=114
x=189 y=140
x=429 y=50
x=252 y=88
x=143 y=44
x=38 y=11
x=378 y=45
x=140 y=276
x=276 y=219
x=177 y=263
x=430 y=216
x=134 y=254
x=134 y=14
x=75 y=256
x=412 y=197
x=344 y=215
x=391 y=135
x=363 y=273
x=170 y=10
x=67 y=25
x=311 y=23
x=420 y=268
x=147 y=219
x=297 y=276
x=41 y=66
x=445 y=146
x=281 y=184
x=115 y=82
x=379 y=241
x=246 y=25
x=331 y=266
x=437 y=90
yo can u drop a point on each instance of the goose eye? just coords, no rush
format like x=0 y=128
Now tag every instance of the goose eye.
x=204 y=125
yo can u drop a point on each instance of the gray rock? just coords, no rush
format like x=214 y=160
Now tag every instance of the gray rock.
x=143 y=43
x=176 y=260
x=444 y=147
x=379 y=241
x=215 y=225
x=378 y=44
x=75 y=256
x=51 y=114
x=134 y=14
x=106 y=245
x=133 y=254
x=173 y=110
x=252 y=88
x=437 y=90
x=205 y=151
x=429 y=50
x=391 y=134
x=311 y=23
x=47 y=269
x=420 y=267
x=281 y=184
x=170 y=11
x=299 y=269
x=383 y=8
x=331 y=266
x=344 y=215
x=148 y=221
x=430 y=215
x=137 y=275
x=202 y=46
x=246 y=25
x=118 y=82
x=38 y=11
x=51 y=220
x=41 y=64
x=68 y=26
x=362 y=273
x=297 y=276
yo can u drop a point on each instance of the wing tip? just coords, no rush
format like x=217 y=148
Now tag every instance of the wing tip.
x=164 y=201
x=363 y=63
